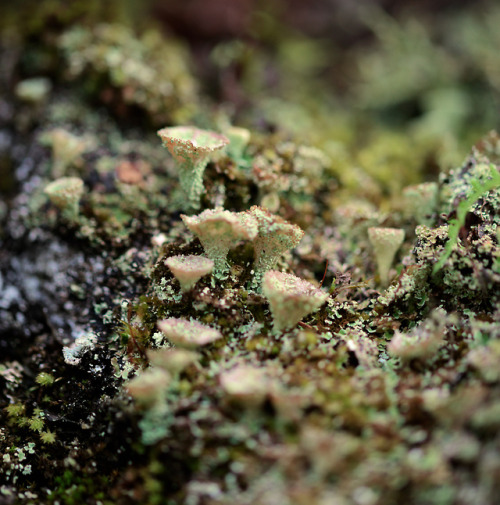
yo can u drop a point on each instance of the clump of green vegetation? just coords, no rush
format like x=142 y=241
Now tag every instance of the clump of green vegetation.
x=480 y=189
x=253 y=384
x=145 y=72
x=45 y=379
x=66 y=193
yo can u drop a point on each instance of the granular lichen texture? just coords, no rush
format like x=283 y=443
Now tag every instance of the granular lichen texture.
x=246 y=385
x=189 y=334
x=385 y=243
x=188 y=270
x=290 y=298
x=66 y=193
x=275 y=236
x=219 y=230
x=295 y=299
x=191 y=149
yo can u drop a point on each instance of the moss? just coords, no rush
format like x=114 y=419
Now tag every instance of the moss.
x=15 y=410
x=47 y=437
x=72 y=488
x=36 y=424
x=45 y=379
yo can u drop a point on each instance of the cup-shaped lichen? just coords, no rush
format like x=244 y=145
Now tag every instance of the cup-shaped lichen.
x=219 y=230
x=66 y=150
x=385 y=243
x=191 y=149
x=188 y=334
x=275 y=236
x=245 y=384
x=290 y=298
x=65 y=193
x=148 y=387
x=408 y=346
x=172 y=360
x=188 y=270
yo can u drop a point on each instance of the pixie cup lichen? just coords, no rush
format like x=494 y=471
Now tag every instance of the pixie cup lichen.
x=219 y=230
x=148 y=387
x=188 y=334
x=290 y=298
x=191 y=149
x=385 y=243
x=423 y=341
x=65 y=193
x=275 y=236
x=246 y=385
x=66 y=150
x=172 y=360
x=188 y=270
x=420 y=201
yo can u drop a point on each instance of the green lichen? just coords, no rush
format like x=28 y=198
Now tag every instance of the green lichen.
x=191 y=149
x=275 y=236
x=290 y=298
x=66 y=193
x=219 y=230
x=366 y=394
x=385 y=243
x=480 y=189
x=143 y=71
x=189 y=269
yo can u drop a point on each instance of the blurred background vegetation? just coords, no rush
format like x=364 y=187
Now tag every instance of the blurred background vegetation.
x=334 y=72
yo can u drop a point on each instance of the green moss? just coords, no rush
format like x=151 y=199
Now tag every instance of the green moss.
x=15 y=410
x=47 y=437
x=45 y=379
x=72 y=489
x=36 y=424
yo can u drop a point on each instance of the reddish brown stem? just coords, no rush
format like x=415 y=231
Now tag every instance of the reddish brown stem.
x=324 y=275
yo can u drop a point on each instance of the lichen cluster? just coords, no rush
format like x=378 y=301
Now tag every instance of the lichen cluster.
x=298 y=318
x=130 y=71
